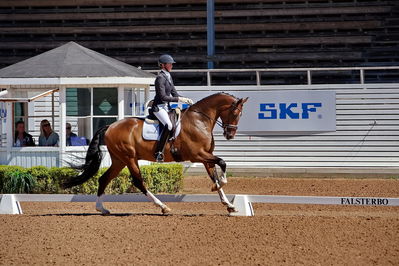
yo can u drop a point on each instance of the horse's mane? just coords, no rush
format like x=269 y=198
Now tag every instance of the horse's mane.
x=216 y=94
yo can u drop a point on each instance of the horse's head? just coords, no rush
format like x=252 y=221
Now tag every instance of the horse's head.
x=230 y=117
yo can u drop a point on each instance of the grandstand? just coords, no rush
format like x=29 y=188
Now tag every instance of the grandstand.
x=249 y=34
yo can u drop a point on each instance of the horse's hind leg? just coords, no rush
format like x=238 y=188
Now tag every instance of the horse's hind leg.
x=139 y=183
x=104 y=180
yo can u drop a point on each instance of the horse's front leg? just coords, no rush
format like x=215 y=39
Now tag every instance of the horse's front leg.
x=211 y=169
x=225 y=201
x=211 y=160
x=213 y=174
x=222 y=180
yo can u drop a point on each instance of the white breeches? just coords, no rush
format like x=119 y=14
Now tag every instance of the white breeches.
x=163 y=116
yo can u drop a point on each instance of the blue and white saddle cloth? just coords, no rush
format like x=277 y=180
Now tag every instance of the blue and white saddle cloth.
x=152 y=129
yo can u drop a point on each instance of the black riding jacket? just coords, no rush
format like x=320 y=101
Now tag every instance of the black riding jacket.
x=165 y=91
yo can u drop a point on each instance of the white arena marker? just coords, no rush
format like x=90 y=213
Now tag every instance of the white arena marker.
x=9 y=205
x=243 y=206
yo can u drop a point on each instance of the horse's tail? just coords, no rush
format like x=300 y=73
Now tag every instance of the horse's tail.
x=92 y=161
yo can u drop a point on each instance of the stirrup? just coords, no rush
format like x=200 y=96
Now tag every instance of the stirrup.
x=159 y=157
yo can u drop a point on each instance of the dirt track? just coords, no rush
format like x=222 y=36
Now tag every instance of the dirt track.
x=201 y=233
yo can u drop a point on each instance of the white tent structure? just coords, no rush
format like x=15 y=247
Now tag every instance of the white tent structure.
x=67 y=84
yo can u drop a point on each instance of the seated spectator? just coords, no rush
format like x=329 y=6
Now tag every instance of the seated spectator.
x=22 y=139
x=69 y=134
x=47 y=136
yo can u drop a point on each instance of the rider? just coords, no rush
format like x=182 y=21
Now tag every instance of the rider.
x=165 y=93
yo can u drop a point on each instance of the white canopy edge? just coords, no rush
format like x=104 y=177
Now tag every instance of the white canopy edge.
x=76 y=81
x=31 y=99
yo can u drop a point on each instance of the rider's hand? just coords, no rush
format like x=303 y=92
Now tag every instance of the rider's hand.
x=186 y=100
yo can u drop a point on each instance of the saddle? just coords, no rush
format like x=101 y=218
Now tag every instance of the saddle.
x=152 y=128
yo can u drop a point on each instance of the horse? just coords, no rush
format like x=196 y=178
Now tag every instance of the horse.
x=195 y=143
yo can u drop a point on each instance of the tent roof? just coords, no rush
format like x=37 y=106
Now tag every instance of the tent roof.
x=72 y=60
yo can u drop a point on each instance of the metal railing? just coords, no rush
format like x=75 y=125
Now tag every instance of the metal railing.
x=259 y=71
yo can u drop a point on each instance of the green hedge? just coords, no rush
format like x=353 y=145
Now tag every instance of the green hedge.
x=159 y=178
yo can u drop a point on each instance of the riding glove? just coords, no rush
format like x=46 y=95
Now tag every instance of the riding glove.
x=186 y=100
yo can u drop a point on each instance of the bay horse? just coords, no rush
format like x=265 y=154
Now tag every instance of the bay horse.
x=195 y=143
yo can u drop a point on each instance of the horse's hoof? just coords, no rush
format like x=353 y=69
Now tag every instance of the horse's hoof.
x=166 y=210
x=104 y=212
x=231 y=209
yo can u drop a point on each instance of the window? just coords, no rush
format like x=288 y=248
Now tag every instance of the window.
x=78 y=102
x=105 y=107
x=89 y=109
x=105 y=101
x=78 y=110
x=19 y=110
x=134 y=101
x=41 y=105
x=99 y=122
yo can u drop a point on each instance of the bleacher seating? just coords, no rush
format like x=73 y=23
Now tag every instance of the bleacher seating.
x=249 y=33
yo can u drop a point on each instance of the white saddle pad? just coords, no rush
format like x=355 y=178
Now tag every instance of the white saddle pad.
x=151 y=131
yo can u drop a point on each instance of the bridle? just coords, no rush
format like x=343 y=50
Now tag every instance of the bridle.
x=227 y=125
x=233 y=107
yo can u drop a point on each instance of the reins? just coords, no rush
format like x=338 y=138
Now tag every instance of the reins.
x=216 y=121
x=221 y=124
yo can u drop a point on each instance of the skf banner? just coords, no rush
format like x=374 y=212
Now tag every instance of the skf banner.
x=290 y=111
x=286 y=112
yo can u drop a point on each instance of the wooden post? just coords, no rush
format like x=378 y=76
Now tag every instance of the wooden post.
x=121 y=102
x=146 y=95
x=257 y=78
x=52 y=111
x=62 y=132
x=210 y=22
x=361 y=76
x=91 y=112
x=9 y=126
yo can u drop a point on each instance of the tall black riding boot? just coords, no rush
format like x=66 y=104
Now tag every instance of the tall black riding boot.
x=161 y=144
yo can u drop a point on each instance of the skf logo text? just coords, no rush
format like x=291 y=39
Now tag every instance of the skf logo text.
x=287 y=110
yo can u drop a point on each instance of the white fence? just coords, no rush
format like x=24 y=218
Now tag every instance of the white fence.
x=31 y=156
x=9 y=203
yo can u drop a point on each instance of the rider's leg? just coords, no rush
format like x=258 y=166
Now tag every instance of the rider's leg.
x=163 y=117
x=159 y=156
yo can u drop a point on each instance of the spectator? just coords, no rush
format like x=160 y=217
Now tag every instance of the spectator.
x=47 y=136
x=69 y=134
x=22 y=139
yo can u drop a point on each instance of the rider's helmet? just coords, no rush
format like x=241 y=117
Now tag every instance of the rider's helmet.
x=166 y=59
